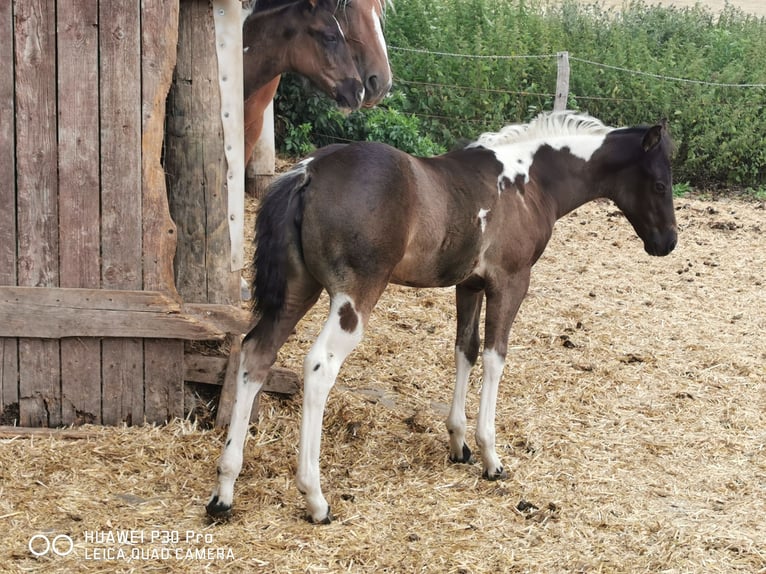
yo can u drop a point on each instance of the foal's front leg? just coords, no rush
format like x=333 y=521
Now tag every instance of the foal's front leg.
x=503 y=301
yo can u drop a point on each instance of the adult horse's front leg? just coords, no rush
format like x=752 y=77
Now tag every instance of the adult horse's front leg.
x=503 y=301
x=340 y=335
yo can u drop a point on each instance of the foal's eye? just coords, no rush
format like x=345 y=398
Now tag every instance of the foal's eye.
x=660 y=187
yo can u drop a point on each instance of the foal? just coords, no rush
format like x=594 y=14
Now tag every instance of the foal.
x=351 y=219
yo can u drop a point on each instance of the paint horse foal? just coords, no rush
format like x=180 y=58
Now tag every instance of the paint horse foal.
x=353 y=218
x=360 y=26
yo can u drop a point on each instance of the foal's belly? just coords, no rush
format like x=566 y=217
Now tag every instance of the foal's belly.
x=435 y=268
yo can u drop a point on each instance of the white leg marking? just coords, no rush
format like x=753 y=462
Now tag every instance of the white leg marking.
x=456 y=422
x=230 y=462
x=485 y=424
x=320 y=368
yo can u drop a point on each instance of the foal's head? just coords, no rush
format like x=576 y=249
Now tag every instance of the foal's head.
x=361 y=21
x=636 y=164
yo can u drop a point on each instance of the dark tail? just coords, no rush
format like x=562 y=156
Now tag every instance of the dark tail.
x=276 y=230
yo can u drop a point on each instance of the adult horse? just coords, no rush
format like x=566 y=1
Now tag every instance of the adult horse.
x=353 y=218
x=360 y=23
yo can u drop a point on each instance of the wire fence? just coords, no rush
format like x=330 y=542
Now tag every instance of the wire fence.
x=554 y=57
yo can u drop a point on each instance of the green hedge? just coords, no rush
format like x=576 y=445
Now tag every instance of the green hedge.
x=439 y=99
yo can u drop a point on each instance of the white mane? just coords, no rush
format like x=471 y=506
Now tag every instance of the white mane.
x=515 y=145
x=546 y=125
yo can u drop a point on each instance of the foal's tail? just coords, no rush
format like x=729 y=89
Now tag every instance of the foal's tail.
x=277 y=232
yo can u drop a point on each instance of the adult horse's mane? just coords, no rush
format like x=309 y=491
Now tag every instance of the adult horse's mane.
x=548 y=125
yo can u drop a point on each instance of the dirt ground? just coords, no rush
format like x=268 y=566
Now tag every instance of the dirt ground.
x=631 y=419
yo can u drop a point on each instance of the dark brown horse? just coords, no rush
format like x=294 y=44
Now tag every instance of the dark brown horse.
x=353 y=218
x=267 y=58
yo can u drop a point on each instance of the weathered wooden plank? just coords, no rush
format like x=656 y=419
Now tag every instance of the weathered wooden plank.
x=164 y=393
x=227 y=16
x=196 y=167
x=79 y=227
x=31 y=432
x=121 y=195
x=37 y=213
x=226 y=318
x=163 y=360
x=159 y=36
x=56 y=313
x=123 y=375
x=9 y=366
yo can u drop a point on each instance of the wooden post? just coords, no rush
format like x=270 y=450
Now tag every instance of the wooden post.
x=562 y=82
x=262 y=166
x=9 y=364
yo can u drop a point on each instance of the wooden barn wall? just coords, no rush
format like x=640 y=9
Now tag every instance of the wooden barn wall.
x=83 y=201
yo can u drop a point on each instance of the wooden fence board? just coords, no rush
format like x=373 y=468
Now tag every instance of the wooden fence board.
x=55 y=313
x=121 y=192
x=163 y=360
x=9 y=368
x=37 y=214
x=79 y=201
x=195 y=158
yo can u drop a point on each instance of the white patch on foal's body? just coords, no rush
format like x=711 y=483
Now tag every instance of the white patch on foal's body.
x=515 y=145
x=483 y=218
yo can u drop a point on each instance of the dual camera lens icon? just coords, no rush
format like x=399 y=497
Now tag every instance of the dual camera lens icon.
x=41 y=545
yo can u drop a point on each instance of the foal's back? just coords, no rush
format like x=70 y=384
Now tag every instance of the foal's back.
x=422 y=221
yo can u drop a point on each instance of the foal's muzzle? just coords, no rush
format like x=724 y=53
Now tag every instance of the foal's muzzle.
x=661 y=242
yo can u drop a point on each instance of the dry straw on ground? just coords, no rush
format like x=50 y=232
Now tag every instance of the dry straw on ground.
x=631 y=418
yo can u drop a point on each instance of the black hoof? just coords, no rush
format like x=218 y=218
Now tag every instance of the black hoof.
x=217 y=510
x=499 y=474
x=326 y=520
x=466 y=457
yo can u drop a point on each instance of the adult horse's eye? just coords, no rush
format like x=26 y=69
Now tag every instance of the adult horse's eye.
x=331 y=38
x=660 y=187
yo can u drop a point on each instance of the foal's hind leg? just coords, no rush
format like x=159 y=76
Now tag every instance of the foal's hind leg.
x=341 y=333
x=467 y=342
x=259 y=351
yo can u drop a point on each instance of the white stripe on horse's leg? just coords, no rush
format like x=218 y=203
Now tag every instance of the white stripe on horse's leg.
x=230 y=462
x=485 y=423
x=340 y=335
x=456 y=423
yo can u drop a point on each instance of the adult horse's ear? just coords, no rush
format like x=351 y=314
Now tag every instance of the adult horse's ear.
x=653 y=137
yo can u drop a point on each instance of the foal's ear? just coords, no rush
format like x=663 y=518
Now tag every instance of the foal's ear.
x=653 y=136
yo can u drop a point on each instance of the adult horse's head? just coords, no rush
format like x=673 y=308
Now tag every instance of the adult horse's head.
x=642 y=183
x=305 y=37
x=361 y=20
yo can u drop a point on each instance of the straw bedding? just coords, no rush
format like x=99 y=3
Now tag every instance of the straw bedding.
x=631 y=419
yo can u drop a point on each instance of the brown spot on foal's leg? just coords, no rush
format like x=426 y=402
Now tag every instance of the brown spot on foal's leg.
x=348 y=318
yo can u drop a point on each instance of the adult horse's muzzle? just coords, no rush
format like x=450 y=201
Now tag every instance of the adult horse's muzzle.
x=349 y=93
x=661 y=242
